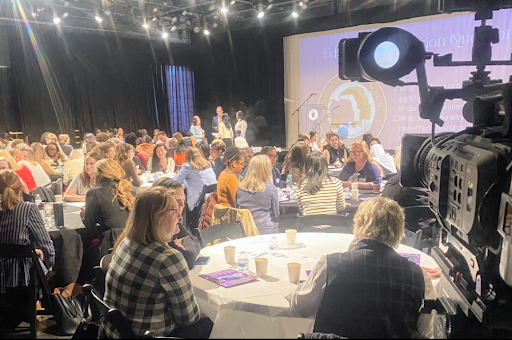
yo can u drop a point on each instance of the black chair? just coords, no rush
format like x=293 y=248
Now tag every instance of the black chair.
x=388 y=176
x=37 y=280
x=281 y=155
x=46 y=193
x=412 y=239
x=283 y=179
x=221 y=232
x=341 y=223
x=193 y=216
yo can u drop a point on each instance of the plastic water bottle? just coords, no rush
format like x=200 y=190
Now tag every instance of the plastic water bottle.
x=277 y=182
x=273 y=246
x=38 y=200
x=289 y=183
x=337 y=163
x=243 y=262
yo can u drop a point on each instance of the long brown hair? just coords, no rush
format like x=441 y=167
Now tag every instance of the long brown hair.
x=14 y=165
x=362 y=144
x=298 y=156
x=10 y=187
x=39 y=152
x=122 y=150
x=111 y=170
x=85 y=176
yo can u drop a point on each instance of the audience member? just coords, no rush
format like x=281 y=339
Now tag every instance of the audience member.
x=318 y=192
x=162 y=138
x=241 y=125
x=161 y=160
x=147 y=270
x=124 y=155
x=55 y=154
x=228 y=183
x=21 y=170
x=195 y=173
x=83 y=181
x=271 y=153
x=324 y=142
x=6 y=141
x=102 y=137
x=313 y=138
x=65 y=144
x=248 y=155
x=385 y=160
x=381 y=292
x=204 y=149
x=146 y=148
x=225 y=130
x=334 y=151
x=179 y=154
x=193 y=139
x=241 y=143
x=178 y=137
x=74 y=166
x=120 y=134
x=259 y=196
x=297 y=161
x=105 y=150
x=368 y=137
x=97 y=132
x=29 y=139
x=361 y=167
x=138 y=157
x=41 y=157
x=155 y=135
x=24 y=156
x=20 y=223
x=173 y=144
x=196 y=129
x=216 y=152
x=5 y=164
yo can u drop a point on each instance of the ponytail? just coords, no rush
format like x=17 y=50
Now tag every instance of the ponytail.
x=112 y=170
x=124 y=195
x=9 y=181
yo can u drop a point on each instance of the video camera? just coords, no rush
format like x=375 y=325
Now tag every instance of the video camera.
x=468 y=173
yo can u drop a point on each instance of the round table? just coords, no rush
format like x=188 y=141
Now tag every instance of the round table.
x=259 y=309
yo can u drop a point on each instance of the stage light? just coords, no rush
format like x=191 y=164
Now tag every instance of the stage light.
x=206 y=32
x=224 y=10
x=301 y=4
x=98 y=19
x=214 y=25
x=56 y=20
x=261 y=14
x=386 y=54
x=165 y=35
x=146 y=26
x=188 y=22
x=232 y=2
x=184 y=13
x=34 y=14
x=197 y=29
x=295 y=14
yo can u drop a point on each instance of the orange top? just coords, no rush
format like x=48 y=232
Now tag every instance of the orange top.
x=227 y=184
x=146 y=149
x=179 y=158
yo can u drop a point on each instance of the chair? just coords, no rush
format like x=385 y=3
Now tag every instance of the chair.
x=46 y=193
x=222 y=232
x=388 y=177
x=37 y=278
x=222 y=214
x=283 y=178
x=194 y=214
x=412 y=239
x=338 y=223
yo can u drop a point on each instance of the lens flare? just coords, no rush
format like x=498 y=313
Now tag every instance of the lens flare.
x=386 y=54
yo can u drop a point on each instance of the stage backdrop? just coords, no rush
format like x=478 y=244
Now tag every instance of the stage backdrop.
x=311 y=66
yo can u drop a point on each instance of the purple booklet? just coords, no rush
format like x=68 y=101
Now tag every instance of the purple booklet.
x=228 y=277
x=412 y=257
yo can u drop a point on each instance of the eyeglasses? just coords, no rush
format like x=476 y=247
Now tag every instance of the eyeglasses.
x=272 y=156
x=356 y=152
x=173 y=210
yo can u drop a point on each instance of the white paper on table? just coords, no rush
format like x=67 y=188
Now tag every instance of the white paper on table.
x=253 y=250
x=282 y=261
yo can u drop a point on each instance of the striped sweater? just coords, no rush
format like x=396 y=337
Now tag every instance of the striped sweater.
x=328 y=200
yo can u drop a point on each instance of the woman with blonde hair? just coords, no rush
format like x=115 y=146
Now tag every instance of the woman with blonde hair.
x=83 y=181
x=109 y=202
x=147 y=280
x=361 y=167
x=124 y=155
x=24 y=155
x=20 y=170
x=259 y=196
x=20 y=223
x=195 y=173
x=41 y=157
x=74 y=166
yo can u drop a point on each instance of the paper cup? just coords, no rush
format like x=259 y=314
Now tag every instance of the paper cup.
x=294 y=272
x=229 y=254
x=355 y=194
x=290 y=236
x=58 y=198
x=261 y=266
x=354 y=185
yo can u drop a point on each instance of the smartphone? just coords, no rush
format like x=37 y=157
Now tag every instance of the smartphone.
x=202 y=260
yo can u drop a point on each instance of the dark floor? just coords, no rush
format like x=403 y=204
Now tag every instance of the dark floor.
x=44 y=329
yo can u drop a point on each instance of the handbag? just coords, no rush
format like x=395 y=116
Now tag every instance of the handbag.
x=66 y=312
x=87 y=329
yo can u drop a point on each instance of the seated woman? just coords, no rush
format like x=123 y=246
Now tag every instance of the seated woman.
x=105 y=150
x=109 y=202
x=147 y=280
x=217 y=150
x=360 y=167
x=84 y=181
x=228 y=183
x=55 y=154
x=271 y=153
x=259 y=196
x=20 y=170
x=184 y=242
x=381 y=291
x=195 y=173
x=124 y=155
x=161 y=160
x=179 y=154
x=335 y=150
x=41 y=157
x=20 y=223
x=24 y=156
x=297 y=161
x=204 y=149
x=318 y=192
x=313 y=139
x=74 y=166
x=324 y=142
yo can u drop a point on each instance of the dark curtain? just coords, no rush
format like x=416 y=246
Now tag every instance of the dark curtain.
x=180 y=91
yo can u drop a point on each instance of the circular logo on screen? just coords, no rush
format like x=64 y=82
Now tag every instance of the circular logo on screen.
x=356 y=108
x=313 y=114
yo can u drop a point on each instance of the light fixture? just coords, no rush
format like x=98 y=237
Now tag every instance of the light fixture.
x=188 y=22
x=261 y=14
x=232 y=2
x=165 y=35
x=173 y=28
x=301 y=4
x=295 y=14
x=146 y=26
x=56 y=20
x=98 y=18
x=214 y=25
x=224 y=10
x=34 y=14
x=197 y=29
x=206 y=32
x=184 y=13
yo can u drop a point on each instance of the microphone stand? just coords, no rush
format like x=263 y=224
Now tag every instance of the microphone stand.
x=298 y=118
x=327 y=115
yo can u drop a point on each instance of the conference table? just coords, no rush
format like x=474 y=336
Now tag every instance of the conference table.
x=259 y=309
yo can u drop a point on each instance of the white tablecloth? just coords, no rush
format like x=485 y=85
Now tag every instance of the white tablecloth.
x=259 y=309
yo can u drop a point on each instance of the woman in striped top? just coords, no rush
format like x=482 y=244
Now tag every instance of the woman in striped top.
x=318 y=192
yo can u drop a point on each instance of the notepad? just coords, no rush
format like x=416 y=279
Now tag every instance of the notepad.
x=228 y=278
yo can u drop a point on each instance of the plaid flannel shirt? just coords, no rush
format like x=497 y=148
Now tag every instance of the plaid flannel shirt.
x=150 y=285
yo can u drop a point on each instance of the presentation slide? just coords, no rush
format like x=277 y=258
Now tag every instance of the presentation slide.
x=385 y=111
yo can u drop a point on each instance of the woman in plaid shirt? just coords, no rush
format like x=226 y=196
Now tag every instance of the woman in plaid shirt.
x=148 y=280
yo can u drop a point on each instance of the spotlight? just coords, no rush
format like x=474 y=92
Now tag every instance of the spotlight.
x=98 y=19
x=146 y=26
x=295 y=14
x=206 y=32
x=165 y=35
x=232 y=2
x=56 y=20
x=173 y=28
x=301 y=4
x=197 y=29
x=184 y=13
x=224 y=10
x=188 y=22
x=261 y=14
x=214 y=25
x=34 y=14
